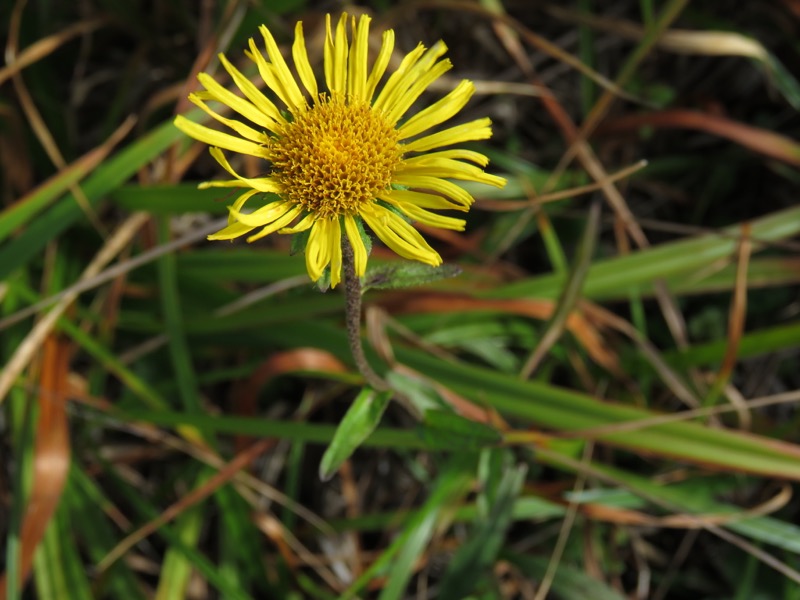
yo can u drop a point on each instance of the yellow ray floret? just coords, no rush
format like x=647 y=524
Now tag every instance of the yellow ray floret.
x=343 y=150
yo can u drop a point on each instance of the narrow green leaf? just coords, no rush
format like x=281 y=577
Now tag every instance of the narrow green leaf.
x=475 y=558
x=26 y=209
x=406 y=274
x=784 y=80
x=307 y=432
x=64 y=213
x=567 y=410
x=23 y=434
x=145 y=511
x=618 y=275
x=418 y=391
x=240 y=264
x=174 y=326
x=176 y=568
x=58 y=571
x=771 y=339
x=570 y=583
x=360 y=421
x=693 y=497
x=446 y=430
x=161 y=200
x=88 y=510
x=403 y=555
x=239 y=541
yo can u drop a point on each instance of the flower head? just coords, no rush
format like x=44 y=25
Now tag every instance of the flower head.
x=344 y=156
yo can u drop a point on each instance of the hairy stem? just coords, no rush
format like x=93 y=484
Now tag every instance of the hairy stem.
x=352 y=288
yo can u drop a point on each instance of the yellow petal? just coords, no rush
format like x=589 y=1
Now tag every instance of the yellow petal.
x=451 y=169
x=300 y=56
x=318 y=249
x=474 y=130
x=304 y=224
x=378 y=68
x=398 y=106
x=336 y=56
x=284 y=76
x=456 y=154
x=426 y=217
x=439 y=111
x=222 y=184
x=335 y=235
x=262 y=184
x=279 y=223
x=328 y=50
x=424 y=200
x=270 y=76
x=233 y=230
x=409 y=60
x=396 y=89
x=399 y=235
x=357 y=61
x=267 y=114
x=243 y=130
x=357 y=244
x=447 y=188
x=240 y=202
x=213 y=137
x=264 y=215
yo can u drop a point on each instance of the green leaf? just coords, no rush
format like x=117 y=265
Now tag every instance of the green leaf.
x=784 y=81
x=454 y=482
x=407 y=274
x=176 y=567
x=418 y=390
x=569 y=582
x=88 y=510
x=64 y=213
x=299 y=242
x=324 y=283
x=172 y=199
x=360 y=421
x=292 y=430
x=446 y=430
x=58 y=571
x=613 y=277
x=475 y=558
x=697 y=496
x=567 y=410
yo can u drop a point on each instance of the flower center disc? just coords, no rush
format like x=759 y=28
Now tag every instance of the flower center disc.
x=335 y=157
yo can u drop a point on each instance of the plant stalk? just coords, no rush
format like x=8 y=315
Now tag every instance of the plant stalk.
x=352 y=288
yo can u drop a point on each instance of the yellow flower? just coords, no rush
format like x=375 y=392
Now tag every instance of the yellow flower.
x=345 y=155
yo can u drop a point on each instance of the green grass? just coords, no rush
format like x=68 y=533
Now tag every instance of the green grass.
x=232 y=451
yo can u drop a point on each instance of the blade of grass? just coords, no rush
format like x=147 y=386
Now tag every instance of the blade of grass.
x=173 y=323
x=176 y=568
x=58 y=572
x=89 y=512
x=475 y=557
x=565 y=410
x=305 y=432
x=611 y=276
x=143 y=508
x=107 y=177
x=16 y=216
x=569 y=296
x=402 y=555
